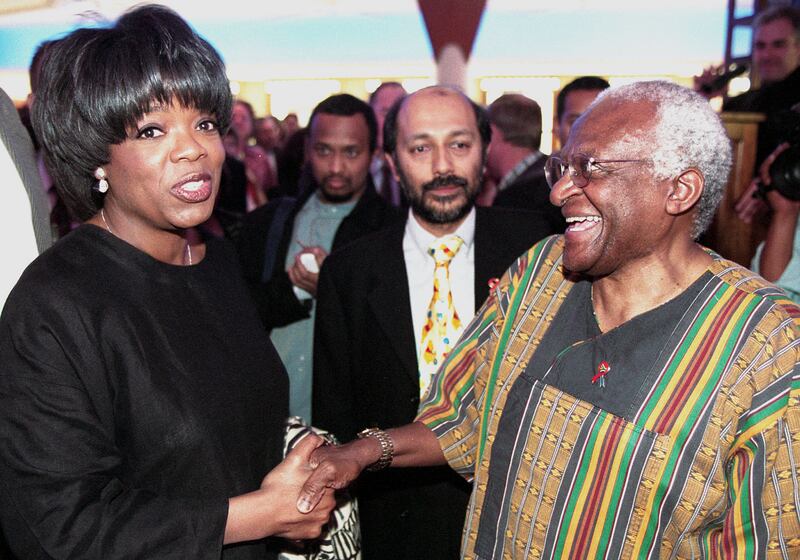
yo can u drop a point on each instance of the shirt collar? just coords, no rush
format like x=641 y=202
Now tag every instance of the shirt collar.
x=519 y=169
x=422 y=239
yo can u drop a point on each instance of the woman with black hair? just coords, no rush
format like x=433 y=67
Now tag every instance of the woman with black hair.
x=140 y=402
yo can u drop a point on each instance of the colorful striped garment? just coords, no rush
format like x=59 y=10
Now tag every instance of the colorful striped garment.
x=704 y=466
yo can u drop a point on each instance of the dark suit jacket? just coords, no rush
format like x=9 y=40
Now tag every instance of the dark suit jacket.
x=274 y=297
x=365 y=374
x=530 y=191
x=20 y=147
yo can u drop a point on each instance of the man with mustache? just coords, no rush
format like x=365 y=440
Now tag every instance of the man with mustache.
x=283 y=243
x=372 y=358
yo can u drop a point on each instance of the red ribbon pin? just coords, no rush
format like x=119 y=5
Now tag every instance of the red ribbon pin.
x=602 y=371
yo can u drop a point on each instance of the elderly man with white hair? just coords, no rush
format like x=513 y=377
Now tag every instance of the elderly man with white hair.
x=624 y=393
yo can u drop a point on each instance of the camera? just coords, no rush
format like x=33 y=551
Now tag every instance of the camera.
x=784 y=173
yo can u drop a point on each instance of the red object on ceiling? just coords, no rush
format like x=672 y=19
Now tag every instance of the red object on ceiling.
x=452 y=21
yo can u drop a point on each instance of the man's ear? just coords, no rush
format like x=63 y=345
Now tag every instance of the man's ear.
x=390 y=162
x=685 y=190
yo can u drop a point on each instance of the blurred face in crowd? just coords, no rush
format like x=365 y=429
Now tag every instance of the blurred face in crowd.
x=338 y=151
x=439 y=155
x=381 y=104
x=776 y=53
x=241 y=121
x=575 y=103
x=268 y=132
x=290 y=124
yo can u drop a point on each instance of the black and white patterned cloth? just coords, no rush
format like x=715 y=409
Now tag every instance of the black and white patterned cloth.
x=342 y=538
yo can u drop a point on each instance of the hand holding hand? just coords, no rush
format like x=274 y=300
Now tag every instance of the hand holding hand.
x=301 y=276
x=336 y=467
x=272 y=510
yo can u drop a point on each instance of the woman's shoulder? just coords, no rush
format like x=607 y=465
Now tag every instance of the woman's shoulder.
x=70 y=265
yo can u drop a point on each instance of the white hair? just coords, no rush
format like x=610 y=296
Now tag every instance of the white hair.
x=687 y=134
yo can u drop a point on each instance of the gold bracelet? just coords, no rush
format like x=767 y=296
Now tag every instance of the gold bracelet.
x=387 y=447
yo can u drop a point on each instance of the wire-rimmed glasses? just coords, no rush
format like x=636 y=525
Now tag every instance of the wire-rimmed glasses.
x=580 y=168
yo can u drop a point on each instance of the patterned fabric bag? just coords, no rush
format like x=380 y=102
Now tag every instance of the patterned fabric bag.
x=342 y=538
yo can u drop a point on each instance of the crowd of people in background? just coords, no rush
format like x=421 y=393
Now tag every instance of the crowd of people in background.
x=412 y=274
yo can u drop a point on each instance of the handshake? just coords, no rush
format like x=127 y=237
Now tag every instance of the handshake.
x=296 y=498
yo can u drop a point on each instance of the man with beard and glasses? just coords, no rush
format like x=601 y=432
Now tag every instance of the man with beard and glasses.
x=374 y=352
x=624 y=392
x=283 y=243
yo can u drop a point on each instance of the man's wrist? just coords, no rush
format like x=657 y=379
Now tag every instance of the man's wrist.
x=386 y=445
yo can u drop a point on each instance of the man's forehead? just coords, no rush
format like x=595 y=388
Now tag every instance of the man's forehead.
x=610 y=123
x=436 y=108
x=775 y=30
x=344 y=128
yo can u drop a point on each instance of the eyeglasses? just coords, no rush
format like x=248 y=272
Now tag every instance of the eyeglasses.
x=580 y=168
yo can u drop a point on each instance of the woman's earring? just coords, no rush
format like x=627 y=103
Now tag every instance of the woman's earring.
x=102 y=182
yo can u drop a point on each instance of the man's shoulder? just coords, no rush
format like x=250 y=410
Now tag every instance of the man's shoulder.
x=263 y=215
x=371 y=213
x=541 y=259
x=756 y=289
x=368 y=249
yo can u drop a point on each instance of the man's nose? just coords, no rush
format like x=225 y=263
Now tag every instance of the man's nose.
x=563 y=189
x=442 y=161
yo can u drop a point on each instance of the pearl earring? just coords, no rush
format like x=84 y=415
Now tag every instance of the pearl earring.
x=102 y=182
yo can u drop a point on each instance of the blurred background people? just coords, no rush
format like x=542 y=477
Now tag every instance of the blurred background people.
x=573 y=99
x=283 y=244
x=776 y=57
x=514 y=164
x=290 y=125
x=60 y=219
x=777 y=258
x=261 y=177
x=381 y=100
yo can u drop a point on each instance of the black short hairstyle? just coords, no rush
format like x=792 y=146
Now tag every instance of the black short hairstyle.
x=95 y=83
x=346 y=105
x=584 y=83
x=36 y=64
x=390 y=124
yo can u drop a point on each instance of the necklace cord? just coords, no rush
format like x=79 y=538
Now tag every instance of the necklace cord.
x=188 y=251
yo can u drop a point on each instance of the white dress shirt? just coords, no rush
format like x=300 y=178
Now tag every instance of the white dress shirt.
x=420 y=266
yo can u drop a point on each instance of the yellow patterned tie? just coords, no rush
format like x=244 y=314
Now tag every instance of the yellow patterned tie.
x=442 y=325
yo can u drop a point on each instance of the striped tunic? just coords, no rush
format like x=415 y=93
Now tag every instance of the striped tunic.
x=705 y=465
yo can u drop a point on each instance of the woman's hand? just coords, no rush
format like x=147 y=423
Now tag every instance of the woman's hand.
x=272 y=510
